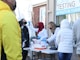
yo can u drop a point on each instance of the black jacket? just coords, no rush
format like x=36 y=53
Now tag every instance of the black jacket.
x=25 y=36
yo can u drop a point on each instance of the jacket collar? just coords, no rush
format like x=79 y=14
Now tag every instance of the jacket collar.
x=4 y=6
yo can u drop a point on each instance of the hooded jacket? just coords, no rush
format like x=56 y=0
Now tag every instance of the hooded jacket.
x=10 y=34
x=64 y=37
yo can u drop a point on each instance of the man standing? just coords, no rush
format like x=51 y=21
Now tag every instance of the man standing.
x=76 y=36
x=10 y=34
x=25 y=37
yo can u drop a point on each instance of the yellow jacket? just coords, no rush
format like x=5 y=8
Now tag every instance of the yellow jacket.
x=10 y=34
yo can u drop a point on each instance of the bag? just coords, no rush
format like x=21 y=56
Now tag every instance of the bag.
x=53 y=48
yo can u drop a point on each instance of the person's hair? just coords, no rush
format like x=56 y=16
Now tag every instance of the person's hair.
x=52 y=23
x=22 y=19
x=21 y=22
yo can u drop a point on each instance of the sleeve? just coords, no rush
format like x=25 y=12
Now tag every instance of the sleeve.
x=34 y=29
x=11 y=37
x=44 y=35
x=26 y=36
x=74 y=35
x=58 y=38
x=53 y=37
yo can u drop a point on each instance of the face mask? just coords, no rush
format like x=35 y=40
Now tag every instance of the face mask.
x=24 y=22
x=14 y=7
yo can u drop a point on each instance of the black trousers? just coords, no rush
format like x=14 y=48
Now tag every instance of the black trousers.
x=3 y=55
x=24 y=54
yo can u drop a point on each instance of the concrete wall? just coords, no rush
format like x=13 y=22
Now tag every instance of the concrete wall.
x=51 y=8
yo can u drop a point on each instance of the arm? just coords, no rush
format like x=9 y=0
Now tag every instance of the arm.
x=74 y=35
x=58 y=38
x=43 y=34
x=26 y=36
x=53 y=37
x=11 y=36
x=50 y=39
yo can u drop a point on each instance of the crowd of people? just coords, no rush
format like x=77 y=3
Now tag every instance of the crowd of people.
x=14 y=35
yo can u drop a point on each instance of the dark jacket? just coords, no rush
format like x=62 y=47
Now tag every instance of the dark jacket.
x=25 y=36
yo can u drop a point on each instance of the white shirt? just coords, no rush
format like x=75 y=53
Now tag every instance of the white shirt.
x=53 y=37
x=43 y=34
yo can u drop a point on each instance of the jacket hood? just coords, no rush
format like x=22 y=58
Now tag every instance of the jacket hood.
x=4 y=6
x=65 y=24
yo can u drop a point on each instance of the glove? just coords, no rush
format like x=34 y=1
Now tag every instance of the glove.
x=47 y=42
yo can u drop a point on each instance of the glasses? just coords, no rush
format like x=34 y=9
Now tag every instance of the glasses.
x=50 y=28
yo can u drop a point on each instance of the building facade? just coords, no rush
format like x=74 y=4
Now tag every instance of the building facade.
x=39 y=13
x=56 y=10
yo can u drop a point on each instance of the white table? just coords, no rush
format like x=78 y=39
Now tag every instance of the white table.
x=45 y=51
x=48 y=51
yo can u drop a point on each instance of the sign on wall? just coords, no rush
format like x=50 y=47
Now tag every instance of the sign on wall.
x=67 y=6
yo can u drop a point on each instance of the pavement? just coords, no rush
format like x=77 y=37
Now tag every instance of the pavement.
x=74 y=56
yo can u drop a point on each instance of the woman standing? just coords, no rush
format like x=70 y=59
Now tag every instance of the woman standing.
x=64 y=41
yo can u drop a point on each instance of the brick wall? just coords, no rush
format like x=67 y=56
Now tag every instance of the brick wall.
x=36 y=11
x=36 y=15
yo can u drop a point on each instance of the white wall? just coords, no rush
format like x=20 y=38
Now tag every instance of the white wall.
x=37 y=1
x=24 y=8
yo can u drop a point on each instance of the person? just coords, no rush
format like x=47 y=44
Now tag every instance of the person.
x=10 y=37
x=54 y=30
x=25 y=37
x=42 y=32
x=76 y=36
x=64 y=40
